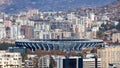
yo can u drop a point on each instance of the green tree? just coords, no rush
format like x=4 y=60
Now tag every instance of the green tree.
x=100 y=34
x=52 y=63
x=5 y=46
x=118 y=26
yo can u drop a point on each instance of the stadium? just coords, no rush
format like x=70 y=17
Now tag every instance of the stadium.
x=59 y=44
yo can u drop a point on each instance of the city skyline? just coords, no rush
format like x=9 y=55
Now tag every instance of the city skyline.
x=59 y=33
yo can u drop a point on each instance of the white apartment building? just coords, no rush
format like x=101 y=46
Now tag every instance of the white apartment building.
x=91 y=16
x=80 y=26
x=71 y=16
x=44 y=62
x=10 y=60
x=2 y=31
x=42 y=30
x=90 y=63
x=14 y=32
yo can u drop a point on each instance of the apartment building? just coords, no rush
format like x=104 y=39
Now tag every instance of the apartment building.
x=14 y=32
x=2 y=31
x=77 y=62
x=109 y=56
x=116 y=37
x=44 y=62
x=91 y=63
x=10 y=60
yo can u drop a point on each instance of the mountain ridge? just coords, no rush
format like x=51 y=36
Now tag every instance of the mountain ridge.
x=13 y=6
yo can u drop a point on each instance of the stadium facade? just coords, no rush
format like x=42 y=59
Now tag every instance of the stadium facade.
x=59 y=44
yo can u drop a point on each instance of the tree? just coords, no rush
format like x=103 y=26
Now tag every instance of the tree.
x=100 y=34
x=5 y=46
x=52 y=63
x=118 y=26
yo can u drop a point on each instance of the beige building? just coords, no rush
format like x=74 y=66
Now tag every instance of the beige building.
x=10 y=60
x=116 y=37
x=110 y=55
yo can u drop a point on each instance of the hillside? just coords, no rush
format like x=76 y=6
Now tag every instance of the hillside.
x=13 y=6
x=113 y=10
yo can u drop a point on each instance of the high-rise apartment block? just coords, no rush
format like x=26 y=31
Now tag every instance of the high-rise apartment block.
x=109 y=56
